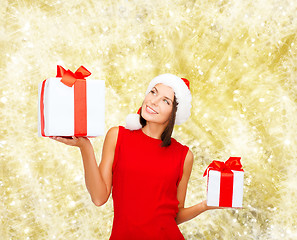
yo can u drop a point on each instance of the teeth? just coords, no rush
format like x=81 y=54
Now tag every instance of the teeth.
x=150 y=110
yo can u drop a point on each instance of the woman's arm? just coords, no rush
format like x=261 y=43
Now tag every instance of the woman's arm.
x=186 y=214
x=98 y=179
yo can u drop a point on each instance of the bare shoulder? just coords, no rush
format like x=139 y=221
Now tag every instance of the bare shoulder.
x=113 y=131
x=189 y=159
x=112 y=135
x=190 y=155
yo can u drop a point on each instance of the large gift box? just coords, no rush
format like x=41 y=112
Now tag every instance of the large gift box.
x=225 y=183
x=70 y=105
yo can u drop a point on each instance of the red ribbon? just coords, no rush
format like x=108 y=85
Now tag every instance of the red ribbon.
x=80 y=97
x=226 y=187
x=42 y=109
x=69 y=78
x=233 y=163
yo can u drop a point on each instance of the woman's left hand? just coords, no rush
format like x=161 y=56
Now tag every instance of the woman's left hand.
x=204 y=203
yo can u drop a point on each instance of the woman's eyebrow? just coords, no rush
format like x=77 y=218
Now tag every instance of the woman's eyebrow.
x=168 y=98
x=164 y=96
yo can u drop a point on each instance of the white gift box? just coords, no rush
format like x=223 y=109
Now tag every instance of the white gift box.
x=59 y=110
x=218 y=192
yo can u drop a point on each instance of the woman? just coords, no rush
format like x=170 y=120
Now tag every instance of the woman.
x=146 y=170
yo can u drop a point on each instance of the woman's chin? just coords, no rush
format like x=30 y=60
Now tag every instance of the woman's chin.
x=151 y=119
x=148 y=117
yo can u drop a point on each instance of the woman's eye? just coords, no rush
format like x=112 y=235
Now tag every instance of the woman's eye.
x=153 y=92
x=166 y=101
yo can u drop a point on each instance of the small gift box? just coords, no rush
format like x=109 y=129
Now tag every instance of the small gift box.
x=70 y=105
x=225 y=183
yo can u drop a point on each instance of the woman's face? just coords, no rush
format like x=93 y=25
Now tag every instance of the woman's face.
x=158 y=103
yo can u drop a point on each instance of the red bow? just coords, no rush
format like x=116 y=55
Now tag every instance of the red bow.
x=233 y=163
x=69 y=78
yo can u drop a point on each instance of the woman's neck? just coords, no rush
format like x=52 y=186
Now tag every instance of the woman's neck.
x=153 y=130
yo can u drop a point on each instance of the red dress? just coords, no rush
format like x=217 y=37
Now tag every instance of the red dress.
x=145 y=179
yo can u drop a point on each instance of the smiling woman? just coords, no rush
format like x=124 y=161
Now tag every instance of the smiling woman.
x=156 y=105
x=157 y=102
x=146 y=169
x=166 y=93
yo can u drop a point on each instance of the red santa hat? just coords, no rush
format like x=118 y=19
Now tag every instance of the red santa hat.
x=181 y=88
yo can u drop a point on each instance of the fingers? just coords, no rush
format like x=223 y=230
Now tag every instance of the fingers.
x=59 y=139
x=72 y=141
x=68 y=141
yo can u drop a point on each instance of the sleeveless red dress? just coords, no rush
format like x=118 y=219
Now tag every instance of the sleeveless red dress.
x=145 y=179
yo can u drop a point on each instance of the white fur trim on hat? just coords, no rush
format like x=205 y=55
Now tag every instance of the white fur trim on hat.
x=182 y=94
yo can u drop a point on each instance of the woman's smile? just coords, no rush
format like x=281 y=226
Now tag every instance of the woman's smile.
x=150 y=110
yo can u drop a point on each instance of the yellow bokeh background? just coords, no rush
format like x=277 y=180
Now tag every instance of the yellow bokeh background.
x=240 y=58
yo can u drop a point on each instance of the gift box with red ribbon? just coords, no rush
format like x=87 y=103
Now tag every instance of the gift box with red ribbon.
x=225 y=183
x=70 y=105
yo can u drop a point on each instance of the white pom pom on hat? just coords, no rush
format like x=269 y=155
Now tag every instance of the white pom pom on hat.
x=133 y=121
x=181 y=88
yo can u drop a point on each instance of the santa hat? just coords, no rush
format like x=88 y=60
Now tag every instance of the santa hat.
x=181 y=88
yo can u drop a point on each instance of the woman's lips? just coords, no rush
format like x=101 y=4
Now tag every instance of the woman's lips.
x=150 y=110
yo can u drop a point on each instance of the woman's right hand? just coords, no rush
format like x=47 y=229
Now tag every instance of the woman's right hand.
x=72 y=141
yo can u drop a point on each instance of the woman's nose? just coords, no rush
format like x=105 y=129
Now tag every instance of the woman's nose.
x=155 y=100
